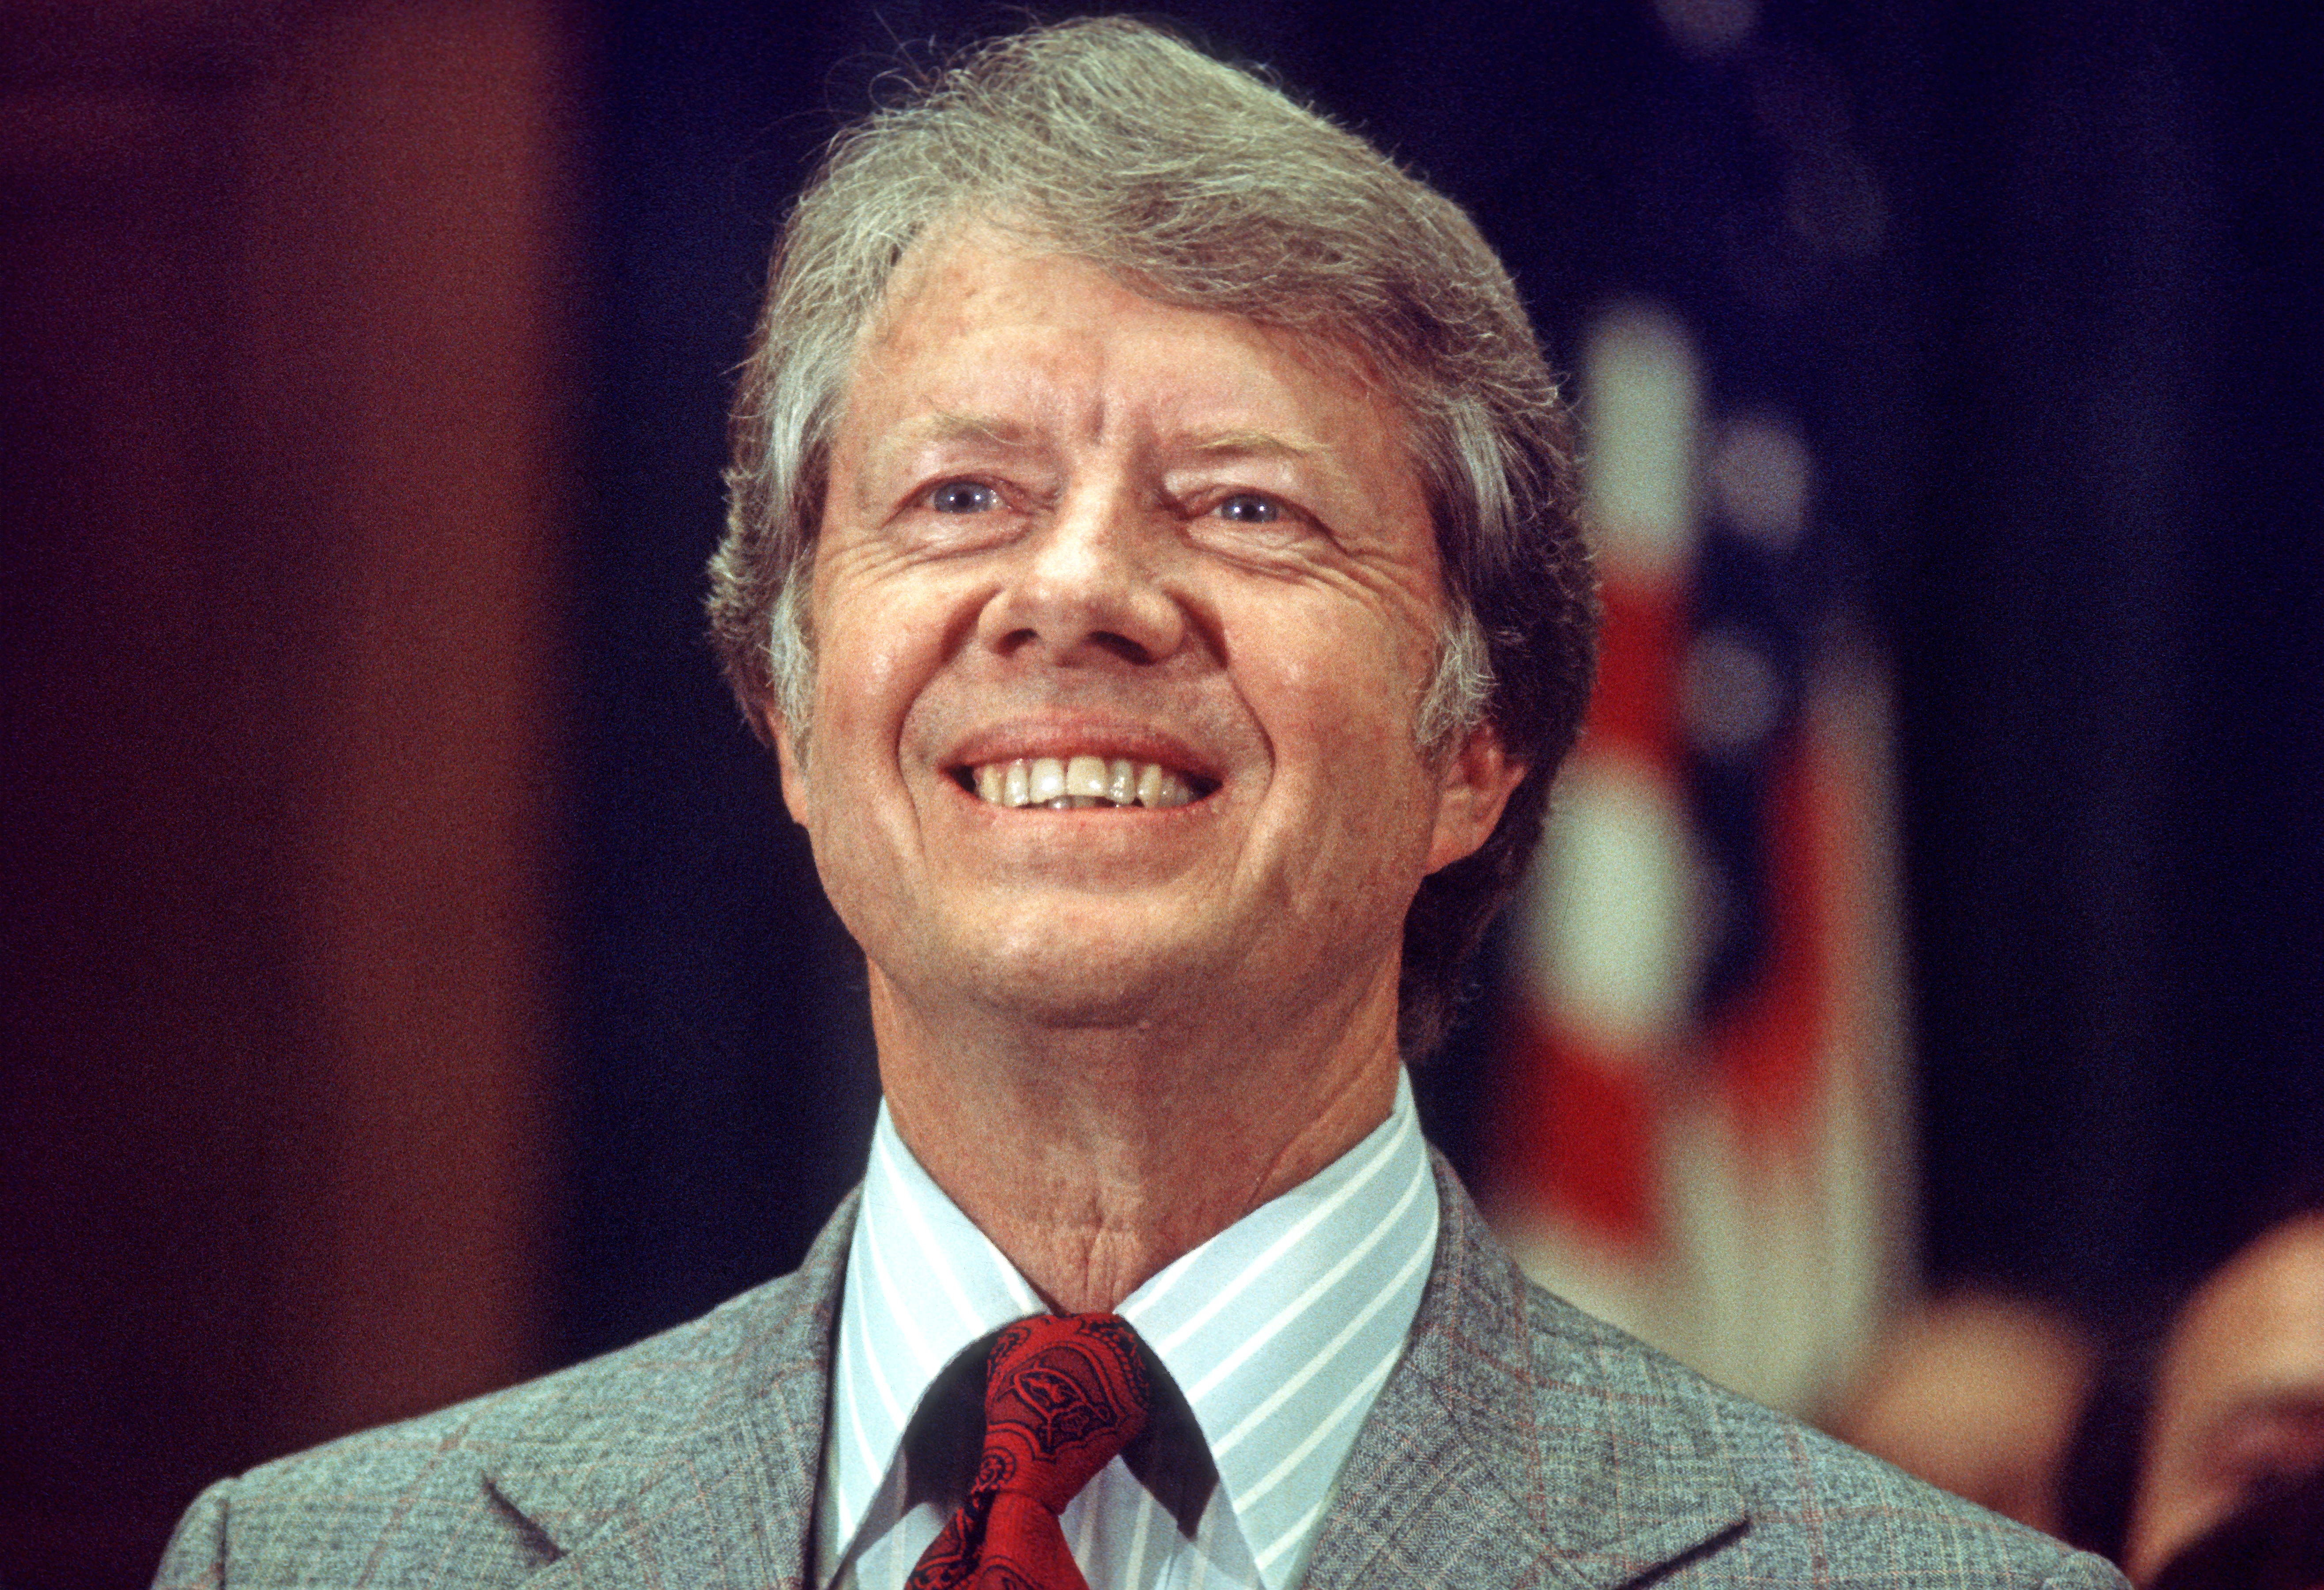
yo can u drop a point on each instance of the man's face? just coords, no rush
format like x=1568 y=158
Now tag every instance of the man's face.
x=2239 y=1394
x=1074 y=532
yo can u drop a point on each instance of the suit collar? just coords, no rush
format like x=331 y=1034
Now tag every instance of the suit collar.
x=1508 y=1437
x=1265 y=1328
x=707 y=1512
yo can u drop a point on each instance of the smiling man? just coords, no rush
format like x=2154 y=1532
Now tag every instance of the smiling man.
x=1077 y=544
x=1154 y=563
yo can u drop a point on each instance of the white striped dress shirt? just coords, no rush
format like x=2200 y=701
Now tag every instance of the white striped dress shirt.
x=1278 y=1332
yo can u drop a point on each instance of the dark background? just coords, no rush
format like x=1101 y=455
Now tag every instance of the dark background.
x=410 y=979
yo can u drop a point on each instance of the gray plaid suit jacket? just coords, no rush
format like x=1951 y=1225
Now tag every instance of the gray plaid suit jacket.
x=1519 y=1443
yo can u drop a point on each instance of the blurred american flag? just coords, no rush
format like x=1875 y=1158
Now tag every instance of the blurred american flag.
x=1699 y=1130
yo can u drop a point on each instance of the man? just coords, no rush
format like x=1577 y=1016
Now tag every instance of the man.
x=1153 y=561
x=1976 y=1392
x=2238 y=1407
x=2201 y=1455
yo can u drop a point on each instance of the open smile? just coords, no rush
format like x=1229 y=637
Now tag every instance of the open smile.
x=1070 y=783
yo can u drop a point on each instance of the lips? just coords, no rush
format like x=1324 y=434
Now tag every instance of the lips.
x=1068 y=783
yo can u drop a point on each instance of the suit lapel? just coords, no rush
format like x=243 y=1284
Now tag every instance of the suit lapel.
x=1515 y=1444
x=731 y=1503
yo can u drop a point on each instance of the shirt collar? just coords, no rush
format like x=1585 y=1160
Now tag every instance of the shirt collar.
x=1278 y=1331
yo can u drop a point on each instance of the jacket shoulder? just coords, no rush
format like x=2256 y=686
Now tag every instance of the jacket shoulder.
x=496 y=1485
x=1814 y=1510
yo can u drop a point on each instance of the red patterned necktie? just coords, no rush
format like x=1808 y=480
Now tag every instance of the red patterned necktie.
x=1063 y=1394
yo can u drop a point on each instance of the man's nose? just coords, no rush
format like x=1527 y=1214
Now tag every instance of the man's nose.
x=1093 y=582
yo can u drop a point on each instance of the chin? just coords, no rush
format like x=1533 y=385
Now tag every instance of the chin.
x=1067 y=985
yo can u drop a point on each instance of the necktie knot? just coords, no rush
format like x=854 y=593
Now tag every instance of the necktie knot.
x=1063 y=1395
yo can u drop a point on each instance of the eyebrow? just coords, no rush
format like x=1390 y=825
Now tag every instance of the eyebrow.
x=2300 y=1406
x=2295 y=1399
x=1253 y=443
x=948 y=425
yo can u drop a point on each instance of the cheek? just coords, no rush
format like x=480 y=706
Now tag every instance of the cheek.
x=1338 y=707
x=1354 y=683
x=866 y=676
x=871 y=657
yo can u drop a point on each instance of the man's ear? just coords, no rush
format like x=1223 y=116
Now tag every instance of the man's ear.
x=1473 y=788
x=791 y=760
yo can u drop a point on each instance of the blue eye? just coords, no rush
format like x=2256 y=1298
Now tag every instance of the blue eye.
x=963 y=497
x=1250 y=508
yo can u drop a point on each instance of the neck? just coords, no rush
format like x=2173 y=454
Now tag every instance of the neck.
x=1094 y=1157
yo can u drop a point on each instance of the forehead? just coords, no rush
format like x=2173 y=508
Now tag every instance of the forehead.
x=2258 y=1324
x=979 y=325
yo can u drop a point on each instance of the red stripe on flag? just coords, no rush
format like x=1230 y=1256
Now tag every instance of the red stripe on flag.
x=1768 y=1042
x=1575 y=1134
x=1635 y=703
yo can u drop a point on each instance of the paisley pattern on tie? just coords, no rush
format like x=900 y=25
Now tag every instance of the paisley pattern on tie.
x=1063 y=1394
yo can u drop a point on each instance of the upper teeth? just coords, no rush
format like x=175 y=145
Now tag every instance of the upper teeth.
x=1063 y=784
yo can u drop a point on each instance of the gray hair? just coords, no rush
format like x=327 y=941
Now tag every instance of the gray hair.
x=1195 y=183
